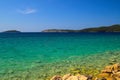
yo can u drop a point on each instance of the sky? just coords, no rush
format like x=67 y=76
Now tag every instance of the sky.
x=38 y=15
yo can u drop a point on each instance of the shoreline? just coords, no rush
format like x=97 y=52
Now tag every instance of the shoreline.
x=111 y=72
x=84 y=65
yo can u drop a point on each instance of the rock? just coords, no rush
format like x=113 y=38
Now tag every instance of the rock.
x=117 y=75
x=111 y=72
x=82 y=77
x=56 y=78
x=113 y=68
x=111 y=78
x=117 y=78
x=114 y=60
x=70 y=77
x=66 y=76
x=102 y=79
x=73 y=78
x=10 y=71
x=101 y=75
x=108 y=69
x=76 y=77
x=38 y=62
x=116 y=67
x=89 y=77
x=75 y=70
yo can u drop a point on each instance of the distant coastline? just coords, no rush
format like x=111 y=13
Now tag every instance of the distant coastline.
x=112 y=28
x=11 y=31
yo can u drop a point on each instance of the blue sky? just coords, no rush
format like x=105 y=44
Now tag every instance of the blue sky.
x=37 y=15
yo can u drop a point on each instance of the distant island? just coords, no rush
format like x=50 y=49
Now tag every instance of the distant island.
x=113 y=28
x=59 y=30
x=11 y=31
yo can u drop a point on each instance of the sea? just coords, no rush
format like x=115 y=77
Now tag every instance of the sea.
x=38 y=56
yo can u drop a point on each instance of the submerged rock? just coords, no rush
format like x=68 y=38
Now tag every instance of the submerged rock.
x=56 y=78
x=66 y=76
x=75 y=70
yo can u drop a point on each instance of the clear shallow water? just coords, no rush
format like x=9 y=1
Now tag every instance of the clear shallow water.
x=20 y=51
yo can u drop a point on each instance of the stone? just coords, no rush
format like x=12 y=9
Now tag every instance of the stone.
x=89 y=77
x=102 y=79
x=117 y=75
x=111 y=78
x=116 y=67
x=110 y=73
x=108 y=69
x=82 y=77
x=56 y=78
x=77 y=77
x=73 y=78
x=113 y=68
x=104 y=75
x=66 y=76
x=75 y=70
x=70 y=77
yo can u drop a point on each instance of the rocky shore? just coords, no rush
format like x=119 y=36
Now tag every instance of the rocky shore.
x=111 y=72
x=87 y=67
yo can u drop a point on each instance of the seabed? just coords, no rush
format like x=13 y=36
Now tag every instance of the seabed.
x=85 y=65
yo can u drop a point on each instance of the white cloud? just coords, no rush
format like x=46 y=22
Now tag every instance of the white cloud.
x=27 y=11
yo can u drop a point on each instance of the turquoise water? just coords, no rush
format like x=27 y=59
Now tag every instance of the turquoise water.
x=21 y=51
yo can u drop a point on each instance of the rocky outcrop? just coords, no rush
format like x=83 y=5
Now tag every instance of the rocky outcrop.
x=111 y=72
x=70 y=77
